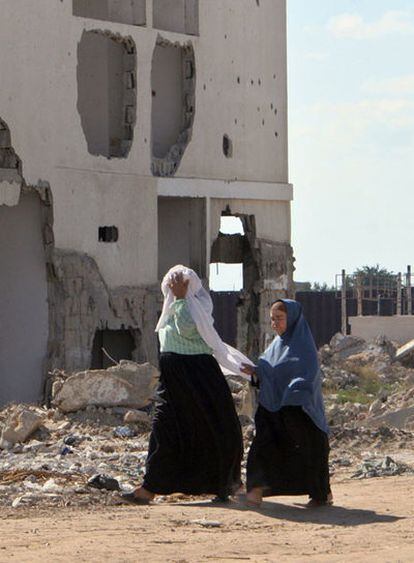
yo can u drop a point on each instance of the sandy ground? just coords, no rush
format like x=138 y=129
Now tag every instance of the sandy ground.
x=372 y=520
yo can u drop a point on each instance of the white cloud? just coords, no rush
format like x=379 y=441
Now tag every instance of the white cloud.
x=397 y=86
x=353 y=26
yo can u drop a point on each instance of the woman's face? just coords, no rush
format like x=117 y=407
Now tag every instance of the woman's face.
x=278 y=320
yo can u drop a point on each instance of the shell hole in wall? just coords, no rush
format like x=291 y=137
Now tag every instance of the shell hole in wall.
x=107 y=92
x=108 y=234
x=225 y=277
x=227 y=146
x=132 y=12
x=173 y=78
x=228 y=276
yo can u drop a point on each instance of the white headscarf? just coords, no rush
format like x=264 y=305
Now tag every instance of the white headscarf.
x=200 y=306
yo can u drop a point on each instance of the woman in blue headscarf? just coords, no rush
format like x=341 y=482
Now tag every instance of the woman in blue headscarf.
x=289 y=453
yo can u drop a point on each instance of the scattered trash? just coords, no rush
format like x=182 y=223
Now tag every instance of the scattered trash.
x=385 y=467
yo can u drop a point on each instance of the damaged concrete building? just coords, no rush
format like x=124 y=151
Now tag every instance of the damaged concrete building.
x=127 y=128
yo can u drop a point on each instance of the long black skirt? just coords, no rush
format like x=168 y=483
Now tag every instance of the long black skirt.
x=289 y=455
x=196 y=444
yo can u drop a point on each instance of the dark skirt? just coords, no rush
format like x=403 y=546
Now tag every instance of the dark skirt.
x=196 y=444
x=289 y=455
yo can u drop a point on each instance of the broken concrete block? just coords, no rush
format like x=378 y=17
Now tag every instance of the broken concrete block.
x=136 y=416
x=125 y=385
x=344 y=346
x=406 y=350
x=20 y=426
x=375 y=407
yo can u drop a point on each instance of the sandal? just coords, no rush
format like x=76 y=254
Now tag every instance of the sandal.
x=133 y=499
x=313 y=503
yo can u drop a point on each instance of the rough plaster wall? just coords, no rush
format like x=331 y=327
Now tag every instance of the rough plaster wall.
x=91 y=200
x=181 y=234
x=81 y=303
x=23 y=303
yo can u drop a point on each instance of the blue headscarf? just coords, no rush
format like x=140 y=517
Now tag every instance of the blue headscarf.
x=288 y=371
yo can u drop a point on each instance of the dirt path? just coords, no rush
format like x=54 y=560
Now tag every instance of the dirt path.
x=373 y=520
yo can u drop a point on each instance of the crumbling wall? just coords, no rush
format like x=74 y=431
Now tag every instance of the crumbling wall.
x=267 y=276
x=24 y=237
x=173 y=78
x=81 y=303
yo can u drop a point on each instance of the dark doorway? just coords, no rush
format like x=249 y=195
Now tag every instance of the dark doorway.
x=118 y=345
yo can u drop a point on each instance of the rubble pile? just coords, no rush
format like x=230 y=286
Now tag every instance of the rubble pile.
x=365 y=385
x=92 y=440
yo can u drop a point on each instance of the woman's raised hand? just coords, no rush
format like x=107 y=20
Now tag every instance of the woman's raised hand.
x=179 y=285
x=248 y=369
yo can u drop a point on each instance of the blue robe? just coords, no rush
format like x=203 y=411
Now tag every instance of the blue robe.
x=288 y=371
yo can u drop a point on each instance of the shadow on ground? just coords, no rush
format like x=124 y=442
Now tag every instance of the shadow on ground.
x=333 y=515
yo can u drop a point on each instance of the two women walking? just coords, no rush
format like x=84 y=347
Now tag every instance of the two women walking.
x=196 y=442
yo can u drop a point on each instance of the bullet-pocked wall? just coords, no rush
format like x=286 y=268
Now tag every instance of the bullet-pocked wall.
x=105 y=263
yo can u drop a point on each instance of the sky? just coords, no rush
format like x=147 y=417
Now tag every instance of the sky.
x=351 y=135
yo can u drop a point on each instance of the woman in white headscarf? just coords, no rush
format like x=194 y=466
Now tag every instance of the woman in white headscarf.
x=196 y=442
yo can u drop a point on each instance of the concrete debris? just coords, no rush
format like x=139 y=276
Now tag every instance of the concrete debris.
x=22 y=423
x=343 y=346
x=385 y=467
x=136 y=416
x=127 y=384
x=405 y=352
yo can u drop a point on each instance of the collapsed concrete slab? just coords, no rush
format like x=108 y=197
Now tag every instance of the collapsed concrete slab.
x=125 y=385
